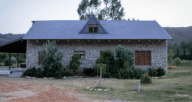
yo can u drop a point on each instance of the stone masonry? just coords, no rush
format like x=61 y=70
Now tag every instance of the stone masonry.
x=92 y=50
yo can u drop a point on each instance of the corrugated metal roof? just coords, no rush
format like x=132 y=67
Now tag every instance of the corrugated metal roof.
x=69 y=29
x=97 y=22
x=11 y=41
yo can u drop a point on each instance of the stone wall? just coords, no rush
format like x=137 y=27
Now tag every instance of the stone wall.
x=92 y=50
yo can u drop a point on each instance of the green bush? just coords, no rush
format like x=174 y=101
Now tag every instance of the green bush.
x=145 y=79
x=67 y=74
x=124 y=54
x=74 y=63
x=89 y=72
x=177 y=61
x=107 y=57
x=39 y=73
x=138 y=73
x=51 y=65
x=30 y=72
x=152 y=72
x=106 y=75
x=6 y=62
x=160 y=71
x=126 y=72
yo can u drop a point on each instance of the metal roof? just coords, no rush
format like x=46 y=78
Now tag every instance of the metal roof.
x=70 y=29
x=14 y=46
x=11 y=41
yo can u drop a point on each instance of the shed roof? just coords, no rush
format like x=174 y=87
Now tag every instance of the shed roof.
x=69 y=29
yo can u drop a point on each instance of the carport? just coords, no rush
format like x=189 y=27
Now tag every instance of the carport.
x=14 y=46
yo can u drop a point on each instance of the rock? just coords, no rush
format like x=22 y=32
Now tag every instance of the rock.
x=99 y=89
x=88 y=88
x=91 y=89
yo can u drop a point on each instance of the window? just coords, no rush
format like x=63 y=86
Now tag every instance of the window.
x=81 y=54
x=39 y=61
x=93 y=28
x=142 y=57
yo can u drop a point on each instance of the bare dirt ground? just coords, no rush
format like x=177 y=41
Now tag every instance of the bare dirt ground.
x=29 y=92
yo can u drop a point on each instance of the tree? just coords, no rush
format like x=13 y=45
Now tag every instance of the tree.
x=112 y=10
x=183 y=47
x=170 y=56
x=87 y=8
x=107 y=57
x=175 y=47
x=102 y=70
x=51 y=65
x=74 y=63
x=189 y=47
x=170 y=45
x=124 y=54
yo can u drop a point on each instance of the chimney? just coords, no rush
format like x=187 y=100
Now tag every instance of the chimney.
x=33 y=22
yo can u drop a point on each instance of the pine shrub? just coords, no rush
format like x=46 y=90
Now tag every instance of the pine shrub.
x=145 y=79
x=74 y=63
x=160 y=71
x=107 y=57
x=51 y=65
x=124 y=54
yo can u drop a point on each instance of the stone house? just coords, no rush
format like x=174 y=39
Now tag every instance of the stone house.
x=147 y=39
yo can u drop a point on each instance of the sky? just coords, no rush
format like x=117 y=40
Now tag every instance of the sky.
x=16 y=15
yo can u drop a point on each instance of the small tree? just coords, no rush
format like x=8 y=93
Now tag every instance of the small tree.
x=51 y=65
x=124 y=54
x=107 y=57
x=74 y=63
x=102 y=68
x=170 y=56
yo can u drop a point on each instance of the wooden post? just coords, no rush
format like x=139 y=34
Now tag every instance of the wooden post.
x=9 y=60
x=24 y=56
x=18 y=60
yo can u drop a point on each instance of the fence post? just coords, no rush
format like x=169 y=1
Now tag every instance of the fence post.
x=138 y=87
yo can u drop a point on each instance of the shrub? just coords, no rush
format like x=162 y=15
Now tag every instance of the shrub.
x=152 y=72
x=107 y=57
x=67 y=74
x=126 y=71
x=74 y=63
x=138 y=73
x=124 y=54
x=51 y=65
x=6 y=62
x=160 y=71
x=30 y=72
x=145 y=79
x=106 y=75
x=177 y=61
x=89 y=72
x=39 y=73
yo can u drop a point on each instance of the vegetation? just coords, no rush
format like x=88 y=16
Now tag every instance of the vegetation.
x=89 y=72
x=145 y=79
x=177 y=61
x=112 y=10
x=107 y=57
x=152 y=72
x=30 y=72
x=160 y=72
x=74 y=63
x=170 y=56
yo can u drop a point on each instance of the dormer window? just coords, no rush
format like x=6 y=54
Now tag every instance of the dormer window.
x=93 y=28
